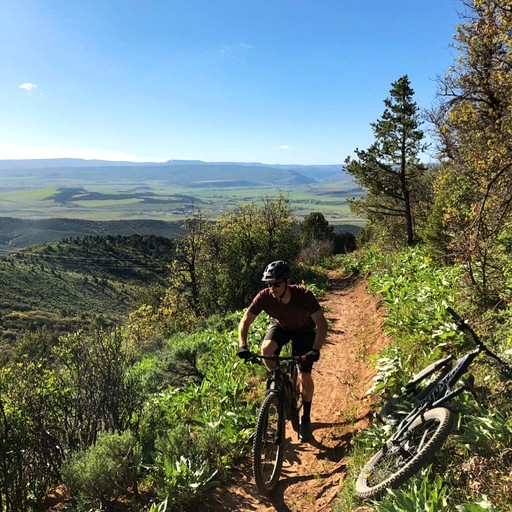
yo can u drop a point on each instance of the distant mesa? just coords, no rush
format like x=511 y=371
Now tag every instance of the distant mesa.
x=173 y=172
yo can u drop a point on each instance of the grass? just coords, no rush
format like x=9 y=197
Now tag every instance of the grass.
x=27 y=196
x=107 y=203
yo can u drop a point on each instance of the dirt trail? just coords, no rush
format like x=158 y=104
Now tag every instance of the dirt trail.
x=313 y=473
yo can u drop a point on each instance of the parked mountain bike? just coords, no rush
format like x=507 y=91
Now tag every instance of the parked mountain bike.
x=282 y=402
x=422 y=430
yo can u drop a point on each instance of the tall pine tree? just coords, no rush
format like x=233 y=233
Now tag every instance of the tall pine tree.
x=390 y=169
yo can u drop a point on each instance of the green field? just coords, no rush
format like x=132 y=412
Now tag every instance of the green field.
x=160 y=201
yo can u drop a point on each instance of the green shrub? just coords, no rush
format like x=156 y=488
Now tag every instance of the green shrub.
x=422 y=492
x=181 y=480
x=488 y=431
x=105 y=470
x=484 y=505
x=391 y=371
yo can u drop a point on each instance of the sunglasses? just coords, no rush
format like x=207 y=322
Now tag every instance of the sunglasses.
x=275 y=284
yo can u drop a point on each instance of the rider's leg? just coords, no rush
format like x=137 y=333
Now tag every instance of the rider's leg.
x=307 y=389
x=268 y=348
x=275 y=339
x=303 y=346
x=307 y=386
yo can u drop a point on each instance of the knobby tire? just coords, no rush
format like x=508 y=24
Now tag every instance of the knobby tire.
x=392 y=466
x=268 y=446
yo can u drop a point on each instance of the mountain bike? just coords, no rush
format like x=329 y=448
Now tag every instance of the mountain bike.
x=419 y=432
x=283 y=401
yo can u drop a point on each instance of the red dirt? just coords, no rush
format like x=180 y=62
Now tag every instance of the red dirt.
x=314 y=472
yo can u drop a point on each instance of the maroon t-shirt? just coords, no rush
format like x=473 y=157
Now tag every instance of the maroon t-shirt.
x=294 y=316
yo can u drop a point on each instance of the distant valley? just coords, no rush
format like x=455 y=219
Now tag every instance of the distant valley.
x=87 y=241
x=46 y=200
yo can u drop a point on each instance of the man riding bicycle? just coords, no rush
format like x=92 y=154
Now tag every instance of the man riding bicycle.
x=298 y=317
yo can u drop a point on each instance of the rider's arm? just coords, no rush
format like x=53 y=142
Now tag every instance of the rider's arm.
x=243 y=327
x=321 y=329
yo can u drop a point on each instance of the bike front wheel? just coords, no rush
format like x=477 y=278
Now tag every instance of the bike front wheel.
x=268 y=446
x=401 y=458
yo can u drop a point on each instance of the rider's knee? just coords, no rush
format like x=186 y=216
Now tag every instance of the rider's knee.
x=269 y=348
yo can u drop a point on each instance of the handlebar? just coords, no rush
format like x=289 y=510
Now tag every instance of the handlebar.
x=294 y=359
x=463 y=326
x=503 y=367
x=460 y=322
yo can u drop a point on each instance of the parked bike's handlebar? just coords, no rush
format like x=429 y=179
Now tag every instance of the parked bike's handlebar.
x=503 y=366
x=463 y=326
x=455 y=315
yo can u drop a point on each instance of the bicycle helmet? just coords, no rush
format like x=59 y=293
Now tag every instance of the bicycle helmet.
x=276 y=271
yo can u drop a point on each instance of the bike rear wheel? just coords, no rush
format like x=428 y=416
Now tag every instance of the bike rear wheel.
x=268 y=446
x=399 y=460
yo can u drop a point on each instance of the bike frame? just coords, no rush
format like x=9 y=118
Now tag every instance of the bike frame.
x=269 y=443
x=277 y=373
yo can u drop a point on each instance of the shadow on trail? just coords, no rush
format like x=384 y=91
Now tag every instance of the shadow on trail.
x=334 y=453
x=278 y=498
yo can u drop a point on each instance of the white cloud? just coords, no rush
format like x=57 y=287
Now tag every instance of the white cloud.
x=228 y=49
x=28 y=86
x=285 y=146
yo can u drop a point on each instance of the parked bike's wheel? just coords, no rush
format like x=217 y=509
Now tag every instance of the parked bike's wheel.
x=398 y=461
x=268 y=446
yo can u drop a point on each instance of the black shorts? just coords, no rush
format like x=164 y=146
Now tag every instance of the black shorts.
x=302 y=342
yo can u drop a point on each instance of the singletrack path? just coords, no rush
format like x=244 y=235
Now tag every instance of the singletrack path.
x=313 y=473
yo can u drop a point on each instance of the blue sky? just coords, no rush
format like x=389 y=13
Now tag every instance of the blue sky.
x=272 y=81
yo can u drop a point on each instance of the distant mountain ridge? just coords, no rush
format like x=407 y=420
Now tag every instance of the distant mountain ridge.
x=172 y=172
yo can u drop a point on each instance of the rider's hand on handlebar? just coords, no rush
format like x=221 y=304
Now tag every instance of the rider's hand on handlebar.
x=243 y=353
x=313 y=355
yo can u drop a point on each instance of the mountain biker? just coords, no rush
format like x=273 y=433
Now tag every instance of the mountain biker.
x=298 y=317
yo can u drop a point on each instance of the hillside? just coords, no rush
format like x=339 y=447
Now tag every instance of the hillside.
x=20 y=233
x=70 y=282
